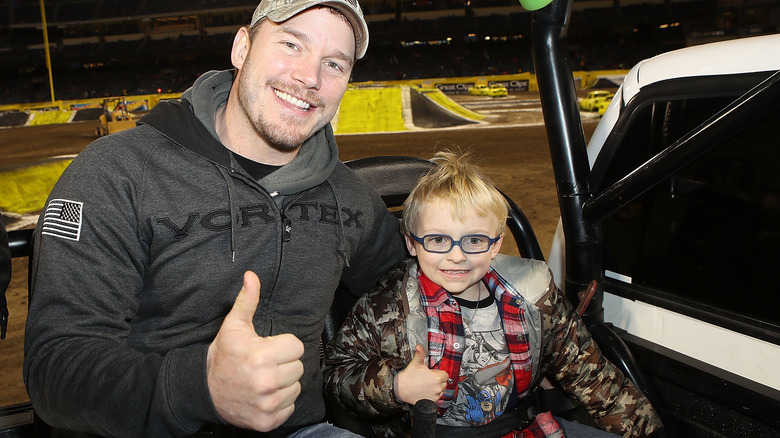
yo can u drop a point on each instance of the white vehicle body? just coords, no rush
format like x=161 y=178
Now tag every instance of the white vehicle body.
x=740 y=354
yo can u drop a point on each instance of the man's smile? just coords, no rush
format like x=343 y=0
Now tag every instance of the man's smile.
x=292 y=100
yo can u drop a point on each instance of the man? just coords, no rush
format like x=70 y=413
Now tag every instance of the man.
x=143 y=244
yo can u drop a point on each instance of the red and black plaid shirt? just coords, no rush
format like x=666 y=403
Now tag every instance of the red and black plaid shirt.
x=446 y=335
x=446 y=343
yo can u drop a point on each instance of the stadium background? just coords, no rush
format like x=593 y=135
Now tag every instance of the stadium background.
x=102 y=48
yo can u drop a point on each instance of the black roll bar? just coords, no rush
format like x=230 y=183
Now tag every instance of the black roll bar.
x=567 y=149
x=20 y=242
x=571 y=168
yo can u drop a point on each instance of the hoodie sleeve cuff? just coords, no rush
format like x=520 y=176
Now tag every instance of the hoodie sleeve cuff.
x=187 y=390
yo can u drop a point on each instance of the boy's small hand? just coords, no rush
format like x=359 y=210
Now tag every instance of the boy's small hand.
x=417 y=382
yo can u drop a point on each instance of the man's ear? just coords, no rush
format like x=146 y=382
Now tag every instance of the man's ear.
x=240 y=50
x=410 y=245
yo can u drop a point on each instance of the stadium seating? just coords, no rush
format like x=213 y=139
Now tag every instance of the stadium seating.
x=132 y=43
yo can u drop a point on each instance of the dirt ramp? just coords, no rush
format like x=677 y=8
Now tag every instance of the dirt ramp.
x=428 y=114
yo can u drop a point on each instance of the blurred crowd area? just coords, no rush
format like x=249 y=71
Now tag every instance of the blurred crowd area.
x=101 y=48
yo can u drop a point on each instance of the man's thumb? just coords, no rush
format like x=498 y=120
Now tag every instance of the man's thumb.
x=419 y=355
x=248 y=297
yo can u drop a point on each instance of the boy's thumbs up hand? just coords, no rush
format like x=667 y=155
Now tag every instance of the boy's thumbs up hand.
x=417 y=382
x=253 y=380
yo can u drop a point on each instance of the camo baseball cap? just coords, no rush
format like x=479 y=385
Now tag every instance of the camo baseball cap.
x=281 y=10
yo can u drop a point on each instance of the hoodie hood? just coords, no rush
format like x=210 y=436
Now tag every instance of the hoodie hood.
x=191 y=123
x=209 y=93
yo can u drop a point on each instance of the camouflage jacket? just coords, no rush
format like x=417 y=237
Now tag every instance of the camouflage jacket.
x=375 y=343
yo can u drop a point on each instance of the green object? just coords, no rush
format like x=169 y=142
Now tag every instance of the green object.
x=533 y=5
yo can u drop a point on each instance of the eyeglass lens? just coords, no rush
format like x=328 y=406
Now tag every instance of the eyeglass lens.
x=474 y=243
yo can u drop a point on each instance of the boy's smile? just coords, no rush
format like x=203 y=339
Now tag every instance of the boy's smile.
x=457 y=272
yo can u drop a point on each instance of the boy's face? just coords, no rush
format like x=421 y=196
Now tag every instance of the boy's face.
x=457 y=272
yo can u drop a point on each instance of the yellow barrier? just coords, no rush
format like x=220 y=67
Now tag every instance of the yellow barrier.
x=25 y=189
x=371 y=110
x=50 y=117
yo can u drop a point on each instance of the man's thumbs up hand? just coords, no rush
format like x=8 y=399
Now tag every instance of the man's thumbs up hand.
x=417 y=382
x=253 y=380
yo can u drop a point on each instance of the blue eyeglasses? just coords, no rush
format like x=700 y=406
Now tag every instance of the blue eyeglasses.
x=442 y=243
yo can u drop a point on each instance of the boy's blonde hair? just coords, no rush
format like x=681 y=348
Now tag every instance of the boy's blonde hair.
x=459 y=182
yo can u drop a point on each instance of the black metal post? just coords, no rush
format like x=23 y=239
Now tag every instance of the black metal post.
x=573 y=181
x=567 y=148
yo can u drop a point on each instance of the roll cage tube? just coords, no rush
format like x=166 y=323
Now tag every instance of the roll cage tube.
x=567 y=144
x=567 y=149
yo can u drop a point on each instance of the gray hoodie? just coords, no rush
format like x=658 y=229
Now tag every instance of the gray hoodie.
x=140 y=254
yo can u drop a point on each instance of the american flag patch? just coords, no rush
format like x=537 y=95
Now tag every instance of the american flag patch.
x=63 y=219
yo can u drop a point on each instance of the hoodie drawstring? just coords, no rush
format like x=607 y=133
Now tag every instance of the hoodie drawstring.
x=341 y=250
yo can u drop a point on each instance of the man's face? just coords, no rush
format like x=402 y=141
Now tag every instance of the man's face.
x=294 y=74
x=457 y=272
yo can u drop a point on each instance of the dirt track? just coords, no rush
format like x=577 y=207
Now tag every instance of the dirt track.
x=516 y=157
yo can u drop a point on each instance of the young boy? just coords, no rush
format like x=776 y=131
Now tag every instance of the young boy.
x=472 y=329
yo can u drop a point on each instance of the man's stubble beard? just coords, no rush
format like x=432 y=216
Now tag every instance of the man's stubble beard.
x=283 y=136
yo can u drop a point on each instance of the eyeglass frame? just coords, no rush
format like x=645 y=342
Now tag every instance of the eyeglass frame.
x=453 y=242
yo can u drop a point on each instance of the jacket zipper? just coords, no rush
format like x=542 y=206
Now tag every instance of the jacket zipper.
x=286 y=227
x=286 y=231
